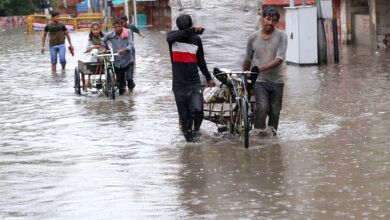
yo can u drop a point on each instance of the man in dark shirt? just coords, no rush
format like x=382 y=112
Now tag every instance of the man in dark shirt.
x=57 y=32
x=133 y=28
x=186 y=50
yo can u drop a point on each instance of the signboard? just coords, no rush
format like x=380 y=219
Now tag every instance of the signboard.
x=38 y=26
x=85 y=25
x=70 y=27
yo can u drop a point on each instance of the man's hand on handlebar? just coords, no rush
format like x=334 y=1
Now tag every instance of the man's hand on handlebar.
x=104 y=50
x=122 y=51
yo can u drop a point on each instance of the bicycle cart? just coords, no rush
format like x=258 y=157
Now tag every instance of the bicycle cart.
x=100 y=76
x=231 y=106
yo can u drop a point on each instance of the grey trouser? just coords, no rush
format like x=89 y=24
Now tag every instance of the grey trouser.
x=269 y=98
x=129 y=77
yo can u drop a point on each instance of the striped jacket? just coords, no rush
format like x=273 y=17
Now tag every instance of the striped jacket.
x=186 y=51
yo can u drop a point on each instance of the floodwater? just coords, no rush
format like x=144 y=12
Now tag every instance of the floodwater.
x=68 y=157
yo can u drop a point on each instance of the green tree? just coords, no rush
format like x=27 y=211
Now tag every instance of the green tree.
x=18 y=7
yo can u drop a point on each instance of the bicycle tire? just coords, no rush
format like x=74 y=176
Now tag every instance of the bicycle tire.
x=77 y=87
x=111 y=85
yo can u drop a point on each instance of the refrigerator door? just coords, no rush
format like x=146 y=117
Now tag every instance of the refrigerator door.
x=292 y=31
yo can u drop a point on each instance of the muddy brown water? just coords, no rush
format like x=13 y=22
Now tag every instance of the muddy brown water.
x=69 y=157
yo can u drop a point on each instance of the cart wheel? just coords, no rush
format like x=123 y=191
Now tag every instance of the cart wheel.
x=111 y=84
x=77 y=87
x=243 y=123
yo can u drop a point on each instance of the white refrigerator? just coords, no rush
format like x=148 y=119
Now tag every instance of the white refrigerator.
x=301 y=29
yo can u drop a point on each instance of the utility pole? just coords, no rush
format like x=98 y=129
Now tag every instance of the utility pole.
x=127 y=9
x=89 y=6
x=373 y=28
x=335 y=33
x=105 y=12
x=135 y=13
x=322 y=52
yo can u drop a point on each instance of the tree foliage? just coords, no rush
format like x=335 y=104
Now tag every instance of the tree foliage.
x=18 y=7
x=22 y=7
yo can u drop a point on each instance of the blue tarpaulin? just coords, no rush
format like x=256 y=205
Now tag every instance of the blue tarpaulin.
x=83 y=6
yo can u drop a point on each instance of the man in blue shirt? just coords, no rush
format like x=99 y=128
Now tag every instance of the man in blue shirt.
x=122 y=43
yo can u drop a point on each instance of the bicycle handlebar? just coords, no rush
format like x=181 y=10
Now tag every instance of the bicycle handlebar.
x=242 y=72
x=107 y=54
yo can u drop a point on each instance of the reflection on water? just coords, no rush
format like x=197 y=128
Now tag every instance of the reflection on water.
x=69 y=157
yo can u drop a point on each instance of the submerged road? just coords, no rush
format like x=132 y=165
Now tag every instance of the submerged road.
x=68 y=157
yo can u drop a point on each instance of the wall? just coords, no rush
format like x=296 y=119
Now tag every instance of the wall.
x=383 y=17
x=13 y=21
x=161 y=14
x=354 y=7
x=362 y=30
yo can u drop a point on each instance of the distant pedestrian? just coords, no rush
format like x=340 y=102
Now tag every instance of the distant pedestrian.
x=57 y=32
x=266 y=50
x=186 y=50
x=133 y=29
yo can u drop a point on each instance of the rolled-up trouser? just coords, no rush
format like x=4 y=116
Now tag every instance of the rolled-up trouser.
x=59 y=49
x=269 y=98
x=189 y=101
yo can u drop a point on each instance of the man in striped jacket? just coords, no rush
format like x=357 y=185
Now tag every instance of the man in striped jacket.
x=186 y=50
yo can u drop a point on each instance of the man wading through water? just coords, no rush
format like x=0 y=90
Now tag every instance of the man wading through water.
x=266 y=51
x=57 y=32
x=122 y=43
x=186 y=50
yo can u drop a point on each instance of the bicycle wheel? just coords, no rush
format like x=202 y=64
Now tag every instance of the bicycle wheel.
x=243 y=123
x=77 y=87
x=111 y=84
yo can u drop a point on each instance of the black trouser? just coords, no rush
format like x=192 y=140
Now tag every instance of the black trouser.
x=125 y=74
x=269 y=98
x=189 y=101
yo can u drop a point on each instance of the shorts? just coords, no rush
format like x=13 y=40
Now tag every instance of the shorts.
x=59 y=49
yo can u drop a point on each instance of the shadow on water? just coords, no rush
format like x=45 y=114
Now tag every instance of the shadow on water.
x=229 y=183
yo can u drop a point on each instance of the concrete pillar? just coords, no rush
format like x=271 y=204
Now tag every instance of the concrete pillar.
x=372 y=12
x=343 y=20
x=349 y=21
x=126 y=8
x=135 y=13
x=292 y=3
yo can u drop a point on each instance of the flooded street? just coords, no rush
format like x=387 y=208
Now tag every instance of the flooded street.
x=64 y=156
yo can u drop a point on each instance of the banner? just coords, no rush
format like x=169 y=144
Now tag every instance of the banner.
x=37 y=26
x=6 y=22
